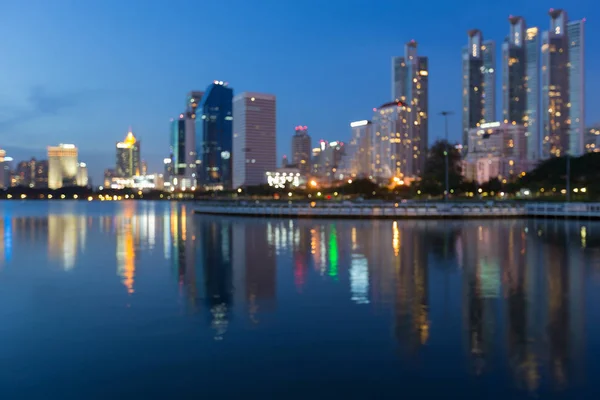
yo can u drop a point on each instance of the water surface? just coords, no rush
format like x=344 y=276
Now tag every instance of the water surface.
x=145 y=300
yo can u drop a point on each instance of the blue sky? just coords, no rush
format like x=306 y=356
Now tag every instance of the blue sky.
x=83 y=71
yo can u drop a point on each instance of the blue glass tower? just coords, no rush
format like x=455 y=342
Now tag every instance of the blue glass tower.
x=214 y=137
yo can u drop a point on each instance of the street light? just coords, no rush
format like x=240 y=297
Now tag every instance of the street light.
x=446 y=114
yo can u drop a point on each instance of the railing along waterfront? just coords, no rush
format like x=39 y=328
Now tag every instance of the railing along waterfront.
x=401 y=210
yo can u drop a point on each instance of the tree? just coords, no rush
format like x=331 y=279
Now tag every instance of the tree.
x=434 y=176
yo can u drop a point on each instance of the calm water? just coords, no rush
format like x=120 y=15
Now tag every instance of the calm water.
x=146 y=300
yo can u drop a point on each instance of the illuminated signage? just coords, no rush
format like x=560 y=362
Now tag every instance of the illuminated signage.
x=359 y=123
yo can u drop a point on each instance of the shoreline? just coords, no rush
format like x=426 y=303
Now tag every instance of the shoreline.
x=413 y=211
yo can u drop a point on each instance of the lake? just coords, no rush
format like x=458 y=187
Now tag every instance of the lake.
x=140 y=299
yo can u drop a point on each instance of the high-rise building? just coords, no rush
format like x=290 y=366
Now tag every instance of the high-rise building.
x=410 y=85
x=532 y=71
x=358 y=157
x=395 y=152
x=254 y=138
x=488 y=51
x=473 y=101
x=214 y=137
x=182 y=147
x=327 y=159
x=514 y=73
x=82 y=174
x=62 y=166
x=5 y=169
x=41 y=174
x=555 y=86
x=301 y=149
x=128 y=157
x=575 y=31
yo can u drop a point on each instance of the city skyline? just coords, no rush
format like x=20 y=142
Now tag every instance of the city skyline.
x=325 y=117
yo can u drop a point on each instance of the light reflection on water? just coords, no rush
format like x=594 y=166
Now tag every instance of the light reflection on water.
x=508 y=306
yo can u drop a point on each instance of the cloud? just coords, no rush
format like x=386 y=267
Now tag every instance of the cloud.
x=41 y=104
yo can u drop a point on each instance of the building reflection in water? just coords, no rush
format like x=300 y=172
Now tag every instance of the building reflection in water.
x=66 y=235
x=128 y=233
x=520 y=283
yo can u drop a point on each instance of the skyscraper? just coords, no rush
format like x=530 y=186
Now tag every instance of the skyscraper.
x=473 y=101
x=254 y=138
x=5 y=168
x=182 y=147
x=359 y=151
x=301 y=149
x=488 y=51
x=555 y=86
x=395 y=152
x=82 y=174
x=410 y=85
x=128 y=157
x=575 y=31
x=532 y=117
x=214 y=137
x=514 y=73
x=62 y=166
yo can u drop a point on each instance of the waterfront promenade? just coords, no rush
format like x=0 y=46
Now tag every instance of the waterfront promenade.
x=420 y=210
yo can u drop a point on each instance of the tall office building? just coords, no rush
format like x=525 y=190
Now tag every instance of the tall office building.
x=359 y=151
x=5 y=169
x=473 y=101
x=62 y=166
x=395 y=153
x=82 y=174
x=514 y=73
x=182 y=147
x=575 y=31
x=214 y=137
x=410 y=85
x=301 y=149
x=555 y=86
x=479 y=82
x=488 y=52
x=254 y=138
x=128 y=157
x=532 y=111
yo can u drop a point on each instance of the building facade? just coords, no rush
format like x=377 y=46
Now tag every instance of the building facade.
x=514 y=73
x=496 y=150
x=359 y=151
x=82 y=175
x=128 y=161
x=411 y=86
x=533 y=116
x=301 y=149
x=576 y=34
x=254 y=138
x=5 y=170
x=395 y=153
x=62 y=166
x=182 y=147
x=488 y=51
x=592 y=139
x=555 y=86
x=472 y=92
x=214 y=137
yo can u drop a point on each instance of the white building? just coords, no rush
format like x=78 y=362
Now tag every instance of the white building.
x=62 y=166
x=254 y=138
x=5 y=168
x=82 y=174
x=496 y=150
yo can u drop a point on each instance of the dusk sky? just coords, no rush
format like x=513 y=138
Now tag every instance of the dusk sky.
x=83 y=71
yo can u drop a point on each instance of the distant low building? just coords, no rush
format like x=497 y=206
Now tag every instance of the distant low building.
x=288 y=176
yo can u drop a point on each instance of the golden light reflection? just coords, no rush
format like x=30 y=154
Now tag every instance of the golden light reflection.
x=396 y=238
x=126 y=248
